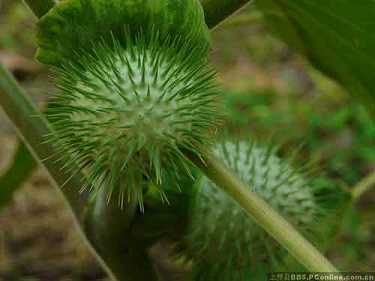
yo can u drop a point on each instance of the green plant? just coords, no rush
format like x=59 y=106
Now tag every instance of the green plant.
x=125 y=115
x=117 y=121
x=224 y=242
x=13 y=178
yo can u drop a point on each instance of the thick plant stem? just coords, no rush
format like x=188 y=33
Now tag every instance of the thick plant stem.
x=20 y=169
x=109 y=229
x=32 y=127
x=363 y=186
x=102 y=226
x=40 y=7
x=242 y=20
x=218 y=10
x=263 y=214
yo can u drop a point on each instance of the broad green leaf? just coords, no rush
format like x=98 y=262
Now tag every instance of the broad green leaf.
x=336 y=35
x=75 y=24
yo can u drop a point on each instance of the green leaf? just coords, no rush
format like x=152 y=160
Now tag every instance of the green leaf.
x=337 y=37
x=21 y=168
x=75 y=24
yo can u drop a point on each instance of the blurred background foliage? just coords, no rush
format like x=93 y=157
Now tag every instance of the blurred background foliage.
x=269 y=92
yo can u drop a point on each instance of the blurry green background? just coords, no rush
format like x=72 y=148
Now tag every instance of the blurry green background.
x=269 y=91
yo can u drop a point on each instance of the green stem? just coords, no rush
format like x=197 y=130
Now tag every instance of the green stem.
x=240 y=20
x=363 y=186
x=32 y=127
x=40 y=7
x=103 y=228
x=218 y=10
x=264 y=215
x=109 y=229
x=20 y=169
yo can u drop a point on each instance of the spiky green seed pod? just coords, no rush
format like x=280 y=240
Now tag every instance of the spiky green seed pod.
x=135 y=89
x=124 y=113
x=225 y=243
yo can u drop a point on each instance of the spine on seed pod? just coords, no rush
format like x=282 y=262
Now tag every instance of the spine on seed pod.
x=224 y=242
x=135 y=90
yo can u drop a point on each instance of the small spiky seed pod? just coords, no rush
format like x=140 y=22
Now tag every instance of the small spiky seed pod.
x=135 y=88
x=225 y=243
x=124 y=113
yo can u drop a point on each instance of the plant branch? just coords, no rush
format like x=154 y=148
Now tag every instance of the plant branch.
x=109 y=229
x=20 y=169
x=241 y=20
x=40 y=7
x=100 y=225
x=218 y=10
x=363 y=186
x=263 y=214
x=32 y=127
